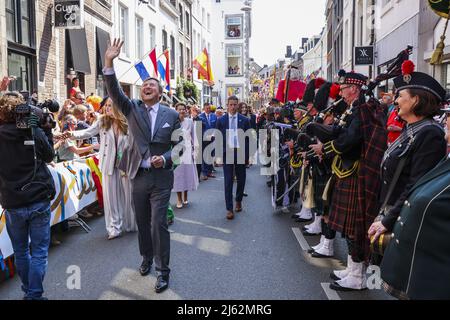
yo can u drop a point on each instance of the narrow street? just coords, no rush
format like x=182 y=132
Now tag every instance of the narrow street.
x=256 y=256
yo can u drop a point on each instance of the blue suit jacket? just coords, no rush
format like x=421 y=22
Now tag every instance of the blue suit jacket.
x=212 y=121
x=223 y=124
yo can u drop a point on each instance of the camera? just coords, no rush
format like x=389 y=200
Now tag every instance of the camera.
x=42 y=110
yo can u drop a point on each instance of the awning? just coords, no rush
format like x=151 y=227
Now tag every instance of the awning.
x=79 y=50
x=102 y=44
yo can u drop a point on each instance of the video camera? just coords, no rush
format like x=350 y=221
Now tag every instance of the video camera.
x=42 y=110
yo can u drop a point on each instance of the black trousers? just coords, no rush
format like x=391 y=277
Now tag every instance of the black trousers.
x=151 y=204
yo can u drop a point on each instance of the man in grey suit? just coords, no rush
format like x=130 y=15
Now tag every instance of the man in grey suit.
x=149 y=165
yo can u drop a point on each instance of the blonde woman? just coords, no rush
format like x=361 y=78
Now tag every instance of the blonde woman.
x=113 y=130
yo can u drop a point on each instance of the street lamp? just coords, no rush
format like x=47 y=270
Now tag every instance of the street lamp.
x=247 y=9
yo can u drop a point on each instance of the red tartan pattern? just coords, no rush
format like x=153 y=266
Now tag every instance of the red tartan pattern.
x=369 y=175
x=355 y=203
x=344 y=206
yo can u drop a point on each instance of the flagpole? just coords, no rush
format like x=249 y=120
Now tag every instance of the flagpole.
x=140 y=60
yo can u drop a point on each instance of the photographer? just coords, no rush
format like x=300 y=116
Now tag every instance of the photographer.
x=26 y=188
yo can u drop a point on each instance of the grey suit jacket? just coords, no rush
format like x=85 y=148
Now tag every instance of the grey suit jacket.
x=167 y=121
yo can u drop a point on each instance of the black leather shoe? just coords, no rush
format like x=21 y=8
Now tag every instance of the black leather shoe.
x=161 y=284
x=245 y=194
x=145 y=268
x=301 y=220
x=307 y=234
x=336 y=287
x=334 y=277
x=320 y=256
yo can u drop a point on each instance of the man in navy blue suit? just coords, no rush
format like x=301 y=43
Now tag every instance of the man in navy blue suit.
x=234 y=144
x=209 y=120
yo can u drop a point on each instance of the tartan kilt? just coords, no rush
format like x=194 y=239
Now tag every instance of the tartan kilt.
x=344 y=205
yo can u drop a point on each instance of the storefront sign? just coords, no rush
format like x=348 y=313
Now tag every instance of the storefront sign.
x=364 y=56
x=69 y=14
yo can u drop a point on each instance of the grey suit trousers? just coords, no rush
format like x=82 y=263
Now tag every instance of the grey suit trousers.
x=151 y=204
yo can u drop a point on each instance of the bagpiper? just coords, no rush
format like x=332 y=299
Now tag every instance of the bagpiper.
x=356 y=150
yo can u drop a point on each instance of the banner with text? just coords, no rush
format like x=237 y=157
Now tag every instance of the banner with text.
x=75 y=190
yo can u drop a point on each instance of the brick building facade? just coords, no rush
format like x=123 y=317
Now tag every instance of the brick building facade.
x=50 y=48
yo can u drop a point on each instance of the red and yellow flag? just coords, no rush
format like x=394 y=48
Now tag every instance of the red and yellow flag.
x=203 y=64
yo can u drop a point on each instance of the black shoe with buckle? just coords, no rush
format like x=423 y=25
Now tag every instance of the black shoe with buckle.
x=161 y=284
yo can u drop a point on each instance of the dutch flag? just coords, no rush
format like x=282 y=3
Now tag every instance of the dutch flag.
x=164 y=68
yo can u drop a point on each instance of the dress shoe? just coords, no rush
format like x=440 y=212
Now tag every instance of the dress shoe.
x=334 y=277
x=145 y=268
x=238 y=206
x=245 y=194
x=161 y=284
x=336 y=287
x=230 y=215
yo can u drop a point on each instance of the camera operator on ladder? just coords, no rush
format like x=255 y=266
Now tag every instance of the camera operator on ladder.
x=26 y=189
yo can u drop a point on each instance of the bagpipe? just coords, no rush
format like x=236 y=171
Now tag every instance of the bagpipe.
x=317 y=131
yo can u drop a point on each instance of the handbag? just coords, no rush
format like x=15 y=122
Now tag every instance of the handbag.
x=379 y=246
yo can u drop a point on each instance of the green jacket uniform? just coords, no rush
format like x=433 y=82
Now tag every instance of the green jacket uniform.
x=416 y=264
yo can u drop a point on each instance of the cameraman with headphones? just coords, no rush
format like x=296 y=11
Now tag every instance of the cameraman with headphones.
x=26 y=189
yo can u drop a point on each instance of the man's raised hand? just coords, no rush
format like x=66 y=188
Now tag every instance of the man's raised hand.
x=112 y=52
